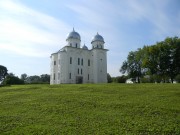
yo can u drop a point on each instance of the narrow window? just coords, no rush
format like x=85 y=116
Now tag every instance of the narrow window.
x=70 y=44
x=88 y=76
x=81 y=71
x=78 y=70
x=88 y=62
x=76 y=45
x=82 y=62
x=58 y=76
x=54 y=76
x=54 y=62
x=78 y=61
x=70 y=60
x=69 y=75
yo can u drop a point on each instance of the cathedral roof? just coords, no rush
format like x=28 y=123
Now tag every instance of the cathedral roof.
x=97 y=37
x=73 y=35
x=85 y=47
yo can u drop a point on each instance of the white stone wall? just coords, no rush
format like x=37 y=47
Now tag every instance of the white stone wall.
x=64 y=70
x=95 y=73
x=74 y=43
x=54 y=68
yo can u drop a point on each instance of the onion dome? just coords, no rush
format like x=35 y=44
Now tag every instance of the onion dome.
x=97 y=38
x=85 y=47
x=73 y=35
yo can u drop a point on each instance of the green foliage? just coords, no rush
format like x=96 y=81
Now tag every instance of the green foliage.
x=178 y=78
x=3 y=72
x=109 y=79
x=45 y=78
x=90 y=109
x=35 y=79
x=120 y=79
x=133 y=65
x=9 y=80
x=162 y=61
x=24 y=76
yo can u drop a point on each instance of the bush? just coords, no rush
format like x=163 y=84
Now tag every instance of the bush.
x=12 y=80
x=145 y=80
x=177 y=78
x=109 y=79
x=121 y=79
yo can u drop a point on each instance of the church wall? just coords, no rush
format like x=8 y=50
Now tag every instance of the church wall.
x=61 y=67
x=74 y=43
x=73 y=64
x=81 y=68
x=87 y=69
x=54 y=68
x=99 y=66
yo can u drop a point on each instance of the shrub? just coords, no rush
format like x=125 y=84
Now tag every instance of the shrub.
x=12 y=80
x=177 y=78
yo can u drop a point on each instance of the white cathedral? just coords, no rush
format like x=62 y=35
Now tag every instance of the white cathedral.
x=76 y=64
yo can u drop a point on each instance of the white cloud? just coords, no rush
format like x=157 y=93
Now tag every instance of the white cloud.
x=28 y=32
x=109 y=15
x=23 y=29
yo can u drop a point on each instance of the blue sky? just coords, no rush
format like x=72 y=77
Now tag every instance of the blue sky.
x=30 y=30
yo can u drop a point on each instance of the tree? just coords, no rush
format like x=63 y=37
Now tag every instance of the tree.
x=109 y=79
x=163 y=59
x=33 y=79
x=133 y=65
x=150 y=62
x=121 y=79
x=3 y=72
x=160 y=61
x=24 y=76
x=45 y=78
x=177 y=78
x=12 y=79
x=174 y=60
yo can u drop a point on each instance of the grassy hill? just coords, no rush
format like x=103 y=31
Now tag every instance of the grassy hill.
x=90 y=109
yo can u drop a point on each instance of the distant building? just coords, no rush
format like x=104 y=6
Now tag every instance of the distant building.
x=76 y=64
x=129 y=80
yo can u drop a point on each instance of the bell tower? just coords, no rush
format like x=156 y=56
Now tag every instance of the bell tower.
x=99 y=59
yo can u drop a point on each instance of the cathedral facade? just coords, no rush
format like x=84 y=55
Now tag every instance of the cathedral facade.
x=76 y=64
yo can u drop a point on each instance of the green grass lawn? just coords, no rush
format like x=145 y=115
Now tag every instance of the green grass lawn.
x=90 y=109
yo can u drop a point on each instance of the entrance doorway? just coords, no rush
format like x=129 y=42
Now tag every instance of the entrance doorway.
x=79 y=79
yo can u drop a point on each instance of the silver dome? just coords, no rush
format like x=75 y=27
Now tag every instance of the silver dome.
x=97 y=38
x=85 y=47
x=74 y=35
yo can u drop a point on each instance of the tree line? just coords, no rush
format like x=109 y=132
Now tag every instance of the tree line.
x=10 y=78
x=154 y=63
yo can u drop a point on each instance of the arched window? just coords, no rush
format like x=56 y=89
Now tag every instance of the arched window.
x=82 y=62
x=78 y=61
x=70 y=60
x=88 y=62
